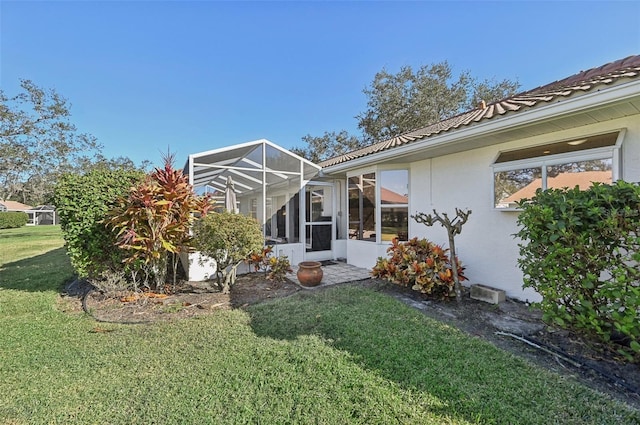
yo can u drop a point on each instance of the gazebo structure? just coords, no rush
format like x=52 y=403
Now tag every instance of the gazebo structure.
x=298 y=209
x=42 y=215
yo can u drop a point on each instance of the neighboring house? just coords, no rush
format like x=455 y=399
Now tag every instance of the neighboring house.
x=583 y=180
x=6 y=206
x=571 y=132
x=40 y=215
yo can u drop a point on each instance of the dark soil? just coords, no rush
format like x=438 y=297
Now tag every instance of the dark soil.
x=187 y=300
x=560 y=351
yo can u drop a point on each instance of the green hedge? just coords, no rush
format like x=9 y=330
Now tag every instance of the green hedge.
x=581 y=251
x=82 y=202
x=13 y=219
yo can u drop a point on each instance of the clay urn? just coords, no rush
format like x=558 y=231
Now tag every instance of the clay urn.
x=310 y=273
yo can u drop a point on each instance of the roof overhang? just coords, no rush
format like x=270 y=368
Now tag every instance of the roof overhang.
x=590 y=108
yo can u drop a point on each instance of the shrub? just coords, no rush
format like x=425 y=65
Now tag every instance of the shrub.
x=229 y=239
x=453 y=228
x=155 y=219
x=82 y=202
x=275 y=268
x=580 y=251
x=420 y=265
x=13 y=219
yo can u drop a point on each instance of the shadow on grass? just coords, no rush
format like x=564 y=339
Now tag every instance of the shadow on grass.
x=30 y=232
x=40 y=273
x=475 y=381
x=378 y=335
x=16 y=234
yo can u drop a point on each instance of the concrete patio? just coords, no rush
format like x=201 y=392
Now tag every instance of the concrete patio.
x=334 y=272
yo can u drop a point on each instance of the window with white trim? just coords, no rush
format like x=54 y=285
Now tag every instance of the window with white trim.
x=379 y=205
x=362 y=207
x=394 y=205
x=580 y=162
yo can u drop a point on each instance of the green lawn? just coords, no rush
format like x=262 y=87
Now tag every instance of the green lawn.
x=28 y=241
x=345 y=355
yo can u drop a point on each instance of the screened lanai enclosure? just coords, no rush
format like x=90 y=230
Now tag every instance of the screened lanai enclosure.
x=300 y=212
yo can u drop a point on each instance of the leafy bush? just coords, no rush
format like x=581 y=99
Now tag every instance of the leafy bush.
x=275 y=268
x=229 y=239
x=82 y=202
x=155 y=219
x=580 y=250
x=13 y=219
x=420 y=265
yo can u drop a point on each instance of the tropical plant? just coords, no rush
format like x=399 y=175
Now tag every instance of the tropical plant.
x=154 y=220
x=580 y=250
x=453 y=228
x=229 y=239
x=420 y=265
x=274 y=267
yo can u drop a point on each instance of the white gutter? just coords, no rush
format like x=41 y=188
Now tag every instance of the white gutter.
x=510 y=121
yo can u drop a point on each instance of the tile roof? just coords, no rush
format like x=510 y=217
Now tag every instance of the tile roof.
x=583 y=180
x=390 y=197
x=579 y=83
x=15 y=206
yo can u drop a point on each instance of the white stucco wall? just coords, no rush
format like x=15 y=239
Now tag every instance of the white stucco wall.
x=486 y=245
x=364 y=253
x=293 y=251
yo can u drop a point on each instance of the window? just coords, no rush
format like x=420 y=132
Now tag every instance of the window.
x=362 y=207
x=379 y=198
x=581 y=162
x=394 y=205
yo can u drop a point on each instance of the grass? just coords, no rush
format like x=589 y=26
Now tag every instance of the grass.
x=345 y=355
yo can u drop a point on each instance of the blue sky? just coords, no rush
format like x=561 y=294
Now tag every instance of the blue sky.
x=190 y=76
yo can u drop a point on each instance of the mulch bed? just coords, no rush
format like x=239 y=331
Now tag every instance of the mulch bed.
x=188 y=299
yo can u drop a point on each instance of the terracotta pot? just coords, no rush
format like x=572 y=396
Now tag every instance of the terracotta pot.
x=310 y=273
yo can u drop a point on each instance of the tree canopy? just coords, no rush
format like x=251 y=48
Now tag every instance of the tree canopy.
x=38 y=143
x=401 y=102
x=329 y=145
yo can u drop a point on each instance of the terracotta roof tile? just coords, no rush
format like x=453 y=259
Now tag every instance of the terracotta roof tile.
x=579 y=83
x=583 y=180
x=15 y=206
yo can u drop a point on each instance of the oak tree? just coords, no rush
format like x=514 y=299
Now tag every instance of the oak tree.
x=408 y=100
x=37 y=142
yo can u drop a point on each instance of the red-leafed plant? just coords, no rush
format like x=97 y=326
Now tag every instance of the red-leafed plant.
x=453 y=228
x=154 y=220
x=420 y=265
x=274 y=268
